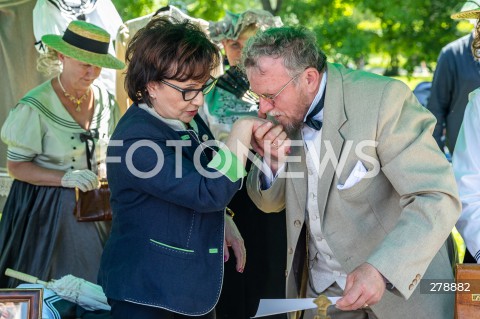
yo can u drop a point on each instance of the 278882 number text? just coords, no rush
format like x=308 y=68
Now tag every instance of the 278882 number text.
x=449 y=286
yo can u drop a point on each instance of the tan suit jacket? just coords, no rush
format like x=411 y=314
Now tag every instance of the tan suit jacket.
x=397 y=220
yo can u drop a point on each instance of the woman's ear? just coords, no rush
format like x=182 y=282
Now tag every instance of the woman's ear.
x=60 y=57
x=152 y=87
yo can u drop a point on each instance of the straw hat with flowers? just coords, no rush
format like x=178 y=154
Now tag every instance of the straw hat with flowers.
x=470 y=10
x=85 y=42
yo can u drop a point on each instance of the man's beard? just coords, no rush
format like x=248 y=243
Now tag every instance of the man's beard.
x=296 y=124
x=292 y=128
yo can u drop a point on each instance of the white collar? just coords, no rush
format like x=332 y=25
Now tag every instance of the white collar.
x=176 y=125
x=321 y=91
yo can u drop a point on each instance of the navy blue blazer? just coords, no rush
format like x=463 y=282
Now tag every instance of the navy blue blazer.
x=166 y=244
x=456 y=75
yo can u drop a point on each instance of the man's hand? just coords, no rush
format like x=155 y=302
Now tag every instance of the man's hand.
x=234 y=239
x=271 y=142
x=365 y=287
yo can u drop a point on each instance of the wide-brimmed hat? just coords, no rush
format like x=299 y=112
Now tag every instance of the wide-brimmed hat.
x=85 y=42
x=469 y=10
x=233 y=24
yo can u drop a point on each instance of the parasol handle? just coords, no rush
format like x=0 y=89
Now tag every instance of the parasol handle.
x=24 y=277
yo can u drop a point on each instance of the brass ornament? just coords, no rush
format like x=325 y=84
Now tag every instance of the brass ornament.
x=322 y=303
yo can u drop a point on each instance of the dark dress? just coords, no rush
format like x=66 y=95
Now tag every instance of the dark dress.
x=264 y=234
x=39 y=234
x=264 y=274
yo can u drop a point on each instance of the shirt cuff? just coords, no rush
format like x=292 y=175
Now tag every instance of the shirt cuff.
x=18 y=154
x=267 y=178
x=228 y=164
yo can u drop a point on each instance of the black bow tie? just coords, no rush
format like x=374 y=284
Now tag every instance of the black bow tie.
x=310 y=121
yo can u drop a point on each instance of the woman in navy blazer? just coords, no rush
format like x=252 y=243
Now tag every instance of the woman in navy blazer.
x=169 y=183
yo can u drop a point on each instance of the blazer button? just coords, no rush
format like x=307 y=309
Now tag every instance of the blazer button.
x=411 y=287
x=204 y=137
x=286 y=273
x=290 y=250
x=297 y=223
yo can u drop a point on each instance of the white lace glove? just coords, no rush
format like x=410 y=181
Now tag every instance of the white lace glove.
x=84 y=179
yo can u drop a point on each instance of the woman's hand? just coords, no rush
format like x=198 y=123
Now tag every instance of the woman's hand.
x=32 y=173
x=84 y=179
x=240 y=137
x=234 y=239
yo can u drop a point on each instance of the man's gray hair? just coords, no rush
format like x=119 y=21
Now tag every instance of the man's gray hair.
x=296 y=46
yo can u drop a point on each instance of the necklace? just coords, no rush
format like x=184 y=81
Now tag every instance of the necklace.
x=72 y=98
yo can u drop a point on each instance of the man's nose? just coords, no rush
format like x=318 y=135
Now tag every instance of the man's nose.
x=265 y=105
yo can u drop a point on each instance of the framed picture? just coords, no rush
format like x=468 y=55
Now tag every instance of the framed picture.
x=21 y=303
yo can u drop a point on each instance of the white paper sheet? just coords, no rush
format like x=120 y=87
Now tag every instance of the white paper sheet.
x=268 y=307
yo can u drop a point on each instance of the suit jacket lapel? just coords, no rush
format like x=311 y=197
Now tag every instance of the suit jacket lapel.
x=332 y=139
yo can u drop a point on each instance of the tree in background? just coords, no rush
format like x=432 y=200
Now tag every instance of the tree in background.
x=414 y=30
x=351 y=32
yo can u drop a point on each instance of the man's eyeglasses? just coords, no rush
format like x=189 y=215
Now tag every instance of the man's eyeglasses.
x=271 y=97
x=190 y=94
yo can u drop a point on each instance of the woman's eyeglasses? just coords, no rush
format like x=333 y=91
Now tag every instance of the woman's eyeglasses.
x=190 y=94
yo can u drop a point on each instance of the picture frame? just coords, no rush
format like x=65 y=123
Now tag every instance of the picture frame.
x=21 y=303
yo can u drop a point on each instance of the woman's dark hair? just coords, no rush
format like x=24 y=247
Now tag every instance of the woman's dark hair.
x=166 y=49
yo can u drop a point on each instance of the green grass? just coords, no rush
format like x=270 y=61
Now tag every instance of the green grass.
x=377 y=63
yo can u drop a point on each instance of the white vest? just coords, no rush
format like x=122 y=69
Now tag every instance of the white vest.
x=323 y=267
